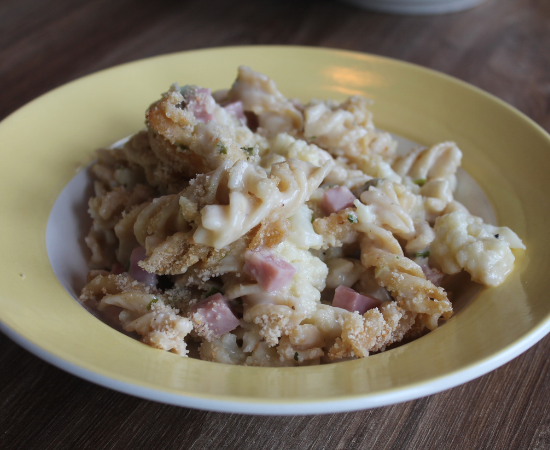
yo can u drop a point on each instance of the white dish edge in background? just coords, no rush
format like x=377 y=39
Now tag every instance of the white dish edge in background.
x=415 y=7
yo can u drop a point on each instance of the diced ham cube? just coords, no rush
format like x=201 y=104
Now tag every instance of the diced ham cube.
x=136 y=272
x=213 y=317
x=350 y=300
x=271 y=272
x=336 y=199
x=201 y=103
x=236 y=108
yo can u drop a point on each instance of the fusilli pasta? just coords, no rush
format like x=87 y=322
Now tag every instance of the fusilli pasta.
x=269 y=232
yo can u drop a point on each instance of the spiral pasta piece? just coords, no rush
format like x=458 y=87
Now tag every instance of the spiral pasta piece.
x=400 y=275
x=371 y=332
x=253 y=197
x=404 y=279
x=259 y=94
x=225 y=198
x=143 y=310
x=346 y=129
x=439 y=161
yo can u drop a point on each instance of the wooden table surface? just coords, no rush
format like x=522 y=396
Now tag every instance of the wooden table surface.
x=502 y=46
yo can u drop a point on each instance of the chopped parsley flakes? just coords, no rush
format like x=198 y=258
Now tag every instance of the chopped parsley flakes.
x=212 y=291
x=151 y=303
x=420 y=181
x=221 y=148
x=184 y=89
x=352 y=218
x=422 y=254
x=248 y=150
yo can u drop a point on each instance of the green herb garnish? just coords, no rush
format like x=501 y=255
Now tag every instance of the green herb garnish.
x=212 y=291
x=151 y=302
x=420 y=181
x=221 y=148
x=248 y=150
x=296 y=356
x=352 y=218
x=422 y=254
x=184 y=89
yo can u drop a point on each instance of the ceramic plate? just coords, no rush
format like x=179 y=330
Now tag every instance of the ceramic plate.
x=415 y=6
x=47 y=142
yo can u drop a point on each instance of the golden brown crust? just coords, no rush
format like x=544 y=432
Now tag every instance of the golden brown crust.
x=336 y=229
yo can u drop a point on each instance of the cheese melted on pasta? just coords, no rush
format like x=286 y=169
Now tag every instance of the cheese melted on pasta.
x=275 y=233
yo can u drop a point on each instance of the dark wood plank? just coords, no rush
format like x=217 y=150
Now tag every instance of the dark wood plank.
x=503 y=46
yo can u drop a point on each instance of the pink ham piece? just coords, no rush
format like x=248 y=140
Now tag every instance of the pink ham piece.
x=336 y=199
x=214 y=315
x=271 y=272
x=236 y=109
x=136 y=272
x=200 y=102
x=350 y=300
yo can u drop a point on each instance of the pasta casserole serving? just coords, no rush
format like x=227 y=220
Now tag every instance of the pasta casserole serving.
x=253 y=229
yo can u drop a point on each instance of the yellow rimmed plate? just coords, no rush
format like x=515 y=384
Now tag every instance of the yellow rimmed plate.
x=49 y=140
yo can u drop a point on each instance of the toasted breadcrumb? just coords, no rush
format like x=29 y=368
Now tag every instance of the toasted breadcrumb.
x=214 y=178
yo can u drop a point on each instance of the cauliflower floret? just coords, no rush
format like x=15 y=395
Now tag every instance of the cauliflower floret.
x=285 y=145
x=302 y=233
x=309 y=280
x=464 y=242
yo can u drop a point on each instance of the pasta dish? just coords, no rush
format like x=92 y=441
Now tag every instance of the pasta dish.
x=268 y=232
